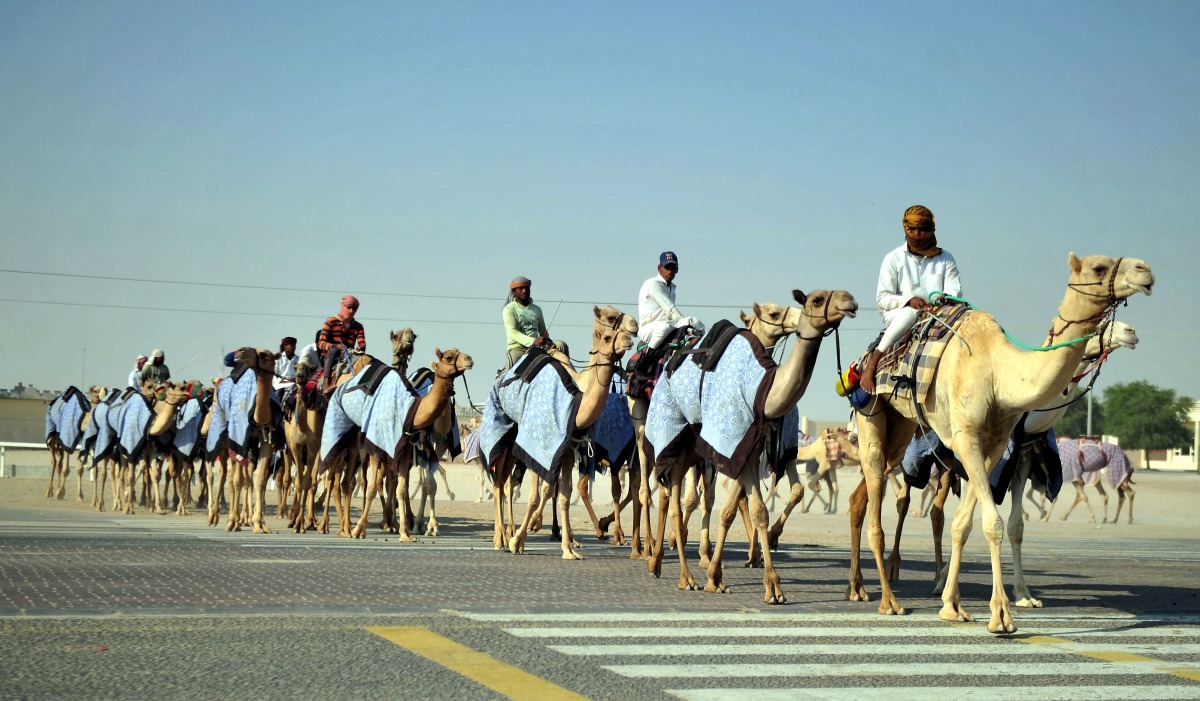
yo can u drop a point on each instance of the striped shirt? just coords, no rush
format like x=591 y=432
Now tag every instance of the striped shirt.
x=348 y=333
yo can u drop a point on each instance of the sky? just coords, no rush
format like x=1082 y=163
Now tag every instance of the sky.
x=201 y=176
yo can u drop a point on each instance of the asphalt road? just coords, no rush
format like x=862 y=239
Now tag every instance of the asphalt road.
x=101 y=605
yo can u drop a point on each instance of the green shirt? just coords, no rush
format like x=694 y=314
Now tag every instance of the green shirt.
x=522 y=324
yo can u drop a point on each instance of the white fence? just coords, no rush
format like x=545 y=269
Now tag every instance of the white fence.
x=5 y=470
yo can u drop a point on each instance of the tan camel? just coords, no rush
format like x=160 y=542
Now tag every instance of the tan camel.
x=820 y=312
x=64 y=429
x=978 y=393
x=302 y=435
x=819 y=451
x=259 y=442
x=612 y=337
x=450 y=364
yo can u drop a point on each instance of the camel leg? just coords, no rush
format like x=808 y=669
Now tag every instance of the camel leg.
x=237 y=475
x=445 y=483
x=79 y=480
x=618 y=504
x=261 y=469
x=431 y=489
x=978 y=491
x=499 y=536
x=1016 y=533
x=1031 y=496
x=404 y=509
x=728 y=512
x=937 y=523
x=54 y=460
x=795 y=496
x=342 y=489
x=875 y=463
x=831 y=481
x=856 y=591
x=586 y=497
x=1103 y=502
x=374 y=480
x=678 y=523
x=154 y=482
x=690 y=501
x=814 y=494
x=538 y=495
x=654 y=552
x=759 y=518
x=893 y=563
x=101 y=470
x=569 y=544
x=753 y=551
x=642 y=471
x=216 y=488
x=710 y=496
x=1080 y=496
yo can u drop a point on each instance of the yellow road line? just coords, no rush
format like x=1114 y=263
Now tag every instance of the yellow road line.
x=1067 y=646
x=476 y=666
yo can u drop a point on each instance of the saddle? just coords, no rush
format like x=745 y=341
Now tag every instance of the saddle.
x=647 y=364
x=909 y=366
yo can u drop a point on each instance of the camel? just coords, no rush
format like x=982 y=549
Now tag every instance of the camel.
x=1115 y=335
x=302 y=436
x=612 y=336
x=437 y=443
x=130 y=421
x=64 y=428
x=179 y=413
x=774 y=392
x=1083 y=462
x=389 y=399
x=978 y=393
x=100 y=441
x=242 y=417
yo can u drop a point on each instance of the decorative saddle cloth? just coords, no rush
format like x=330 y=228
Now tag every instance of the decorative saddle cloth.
x=927 y=449
x=378 y=402
x=1040 y=450
x=101 y=437
x=1118 y=464
x=133 y=418
x=646 y=365
x=183 y=437
x=910 y=366
x=784 y=442
x=531 y=409
x=471 y=449
x=232 y=422
x=715 y=404
x=64 y=417
x=1072 y=461
x=1092 y=461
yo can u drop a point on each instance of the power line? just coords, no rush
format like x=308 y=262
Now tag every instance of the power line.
x=113 y=278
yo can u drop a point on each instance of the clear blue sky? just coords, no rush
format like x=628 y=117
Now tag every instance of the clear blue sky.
x=392 y=149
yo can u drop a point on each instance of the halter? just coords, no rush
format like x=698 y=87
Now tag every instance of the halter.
x=1109 y=312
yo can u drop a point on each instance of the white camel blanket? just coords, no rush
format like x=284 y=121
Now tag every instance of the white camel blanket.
x=376 y=401
x=721 y=412
x=133 y=425
x=1118 y=464
x=64 y=418
x=101 y=436
x=531 y=409
x=233 y=415
x=221 y=401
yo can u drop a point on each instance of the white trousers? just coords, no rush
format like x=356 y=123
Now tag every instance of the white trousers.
x=657 y=331
x=898 y=322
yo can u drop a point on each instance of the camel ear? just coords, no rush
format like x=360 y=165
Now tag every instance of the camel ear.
x=800 y=297
x=745 y=318
x=1074 y=262
x=757 y=309
x=596 y=311
x=438 y=353
x=395 y=335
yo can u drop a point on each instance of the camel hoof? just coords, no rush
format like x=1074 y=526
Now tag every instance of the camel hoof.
x=774 y=600
x=857 y=592
x=1029 y=603
x=952 y=612
x=406 y=538
x=716 y=588
x=572 y=556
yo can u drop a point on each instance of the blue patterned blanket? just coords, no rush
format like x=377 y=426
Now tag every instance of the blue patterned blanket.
x=64 y=418
x=101 y=435
x=531 y=409
x=183 y=438
x=422 y=382
x=133 y=418
x=378 y=402
x=233 y=416
x=927 y=448
x=719 y=412
x=785 y=441
x=611 y=435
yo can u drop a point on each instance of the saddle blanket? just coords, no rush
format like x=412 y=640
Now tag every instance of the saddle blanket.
x=64 y=418
x=378 y=402
x=422 y=382
x=233 y=417
x=785 y=441
x=531 y=409
x=1092 y=461
x=720 y=412
x=133 y=425
x=471 y=450
x=185 y=434
x=1118 y=464
x=100 y=437
x=910 y=367
x=927 y=449
x=1072 y=461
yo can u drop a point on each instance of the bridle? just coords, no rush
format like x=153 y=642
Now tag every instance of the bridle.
x=1107 y=314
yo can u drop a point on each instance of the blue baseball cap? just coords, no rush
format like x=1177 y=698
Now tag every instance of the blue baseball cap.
x=668 y=258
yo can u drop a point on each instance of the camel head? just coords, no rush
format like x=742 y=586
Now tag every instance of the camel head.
x=612 y=332
x=403 y=342
x=259 y=360
x=304 y=370
x=771 y=322
x=1105 y=280
x=450 y=364
x=824 y=309
x=97 y=393
x=1110 y=337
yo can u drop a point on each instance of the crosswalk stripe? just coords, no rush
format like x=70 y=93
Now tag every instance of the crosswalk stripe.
x=894 y=670
x=926 y=649
x=939 y=693
x=799 y=617
x=907 y=633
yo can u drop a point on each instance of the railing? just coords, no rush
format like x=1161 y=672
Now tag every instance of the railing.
x=25 y=446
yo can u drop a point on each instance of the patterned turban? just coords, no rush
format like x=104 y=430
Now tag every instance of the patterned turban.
x=919 y=227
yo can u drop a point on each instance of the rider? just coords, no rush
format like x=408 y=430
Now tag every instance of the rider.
x=524 y=325
x=657 y=314
x=906 y=278
x=156 y=371
x=340 y=333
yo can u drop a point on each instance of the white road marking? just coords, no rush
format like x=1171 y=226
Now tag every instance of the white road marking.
x=894 y=670
x=946 y=693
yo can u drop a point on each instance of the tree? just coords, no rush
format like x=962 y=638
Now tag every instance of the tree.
x=1146 y=417
x=1074 y=422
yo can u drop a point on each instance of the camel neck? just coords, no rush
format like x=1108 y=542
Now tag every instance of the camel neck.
x=435 y=401
x=594 y=380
